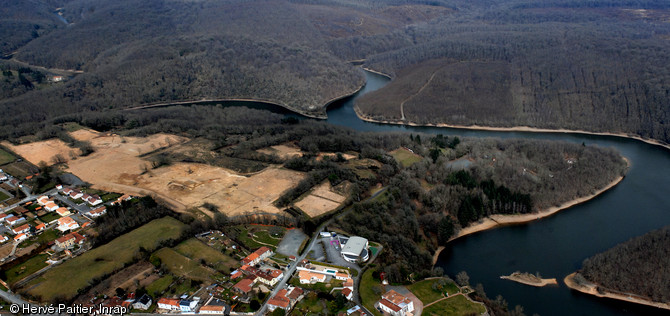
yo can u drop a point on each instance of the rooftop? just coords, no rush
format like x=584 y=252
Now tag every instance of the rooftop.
x=355 y=245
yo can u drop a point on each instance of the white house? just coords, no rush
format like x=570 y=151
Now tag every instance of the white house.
x=187 y=306
x=395 y=304
x=3 y=238
x=13 y=220
x=97 y=212
x=168 y=304
x=51 y=206
x=21 y=229
x=67 y=223
x=143 y=303
x=212 y=309
x=94 y=200
x=20 y=237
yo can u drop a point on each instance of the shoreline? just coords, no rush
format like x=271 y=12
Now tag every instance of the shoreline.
x=518 y=277
x=591 y=289
x=498 y=220
x=511 y=129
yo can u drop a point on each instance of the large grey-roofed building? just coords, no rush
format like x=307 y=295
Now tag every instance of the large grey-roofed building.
x=356 y=249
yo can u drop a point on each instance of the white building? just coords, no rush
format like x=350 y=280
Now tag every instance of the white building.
x=395 y=304
x=356 y=249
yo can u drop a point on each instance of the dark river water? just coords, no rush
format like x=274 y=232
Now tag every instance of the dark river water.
x=553 y=246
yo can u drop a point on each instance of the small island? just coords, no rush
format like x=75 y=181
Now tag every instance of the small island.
x=529 y=279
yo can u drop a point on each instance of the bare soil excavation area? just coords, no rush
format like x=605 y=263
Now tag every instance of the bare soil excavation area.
x=117 y=165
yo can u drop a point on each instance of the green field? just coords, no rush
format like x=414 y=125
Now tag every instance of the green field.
x=405 y=157
x=197 y=251
x=368 y=295
x=48 y=217
x=25 y=269
x=180 y=265
x=264 y=237
x=424 y=290
x=454 y=306
x=3 y=196
x=157 y=287
x=64 y=280
x=5 y=157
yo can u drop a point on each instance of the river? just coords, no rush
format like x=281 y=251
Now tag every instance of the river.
x=554 y=246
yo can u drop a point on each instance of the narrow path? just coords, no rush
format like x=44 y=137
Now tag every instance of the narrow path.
x=402 y=104
x=442 y=299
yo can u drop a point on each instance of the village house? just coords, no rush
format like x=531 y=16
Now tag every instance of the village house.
x=40 y=227
x=21 y=229
x=257 y=256
x=97 y=212
x=43 y=200
x=13 y=220
x=51 y=206
x=63 y=211
x=395 y=304
x=93 y=200
x=270 y=277
x=285 y=299
x=67 y=223
x=67 y=191
x=20 y=237
x=348 y=293
x=70 y=240
x=75 y=194
x=168 y=304
x=212 y=309
x=187 y=306
x=122 y=198
x=308 y=277
x=245 y=285
x=3 y=238
x=236 y=274
x=143 y=303
x=3 y=217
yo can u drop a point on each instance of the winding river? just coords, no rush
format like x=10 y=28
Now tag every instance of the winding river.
x=554 y=246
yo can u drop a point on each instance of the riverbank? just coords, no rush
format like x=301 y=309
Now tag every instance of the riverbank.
x=510 y=129
x=529 y=279
x=500 y=220
x=592 y=289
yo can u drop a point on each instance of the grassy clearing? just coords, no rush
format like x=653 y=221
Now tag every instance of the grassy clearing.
x=156 y=288
x=72 y=126
x=48 y=217
x=180 y=265
x=265 y=237
x=65 y=279
x=25 y=269
x=5 y=157
x=3 y=196
x=425 y=292
x=454 y=306
x=367 y=292
x=196 y=250
x=405 y=157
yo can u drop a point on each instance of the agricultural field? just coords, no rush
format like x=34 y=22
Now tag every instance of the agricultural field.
x=20 y=169
x=425 y=292
x=182 y=266
x=66 y=279
x=25 y=269
x=6 y=157
x=196 y=250
x=457 y=305
x=322 y=199
x=139 y=274
x=405 y=157
x=157 y=287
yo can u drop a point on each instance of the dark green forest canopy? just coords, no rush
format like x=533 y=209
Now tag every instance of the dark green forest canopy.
x=640 y=266
x=598 y=65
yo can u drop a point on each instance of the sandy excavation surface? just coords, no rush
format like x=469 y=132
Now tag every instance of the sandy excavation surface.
x=43 y=150
x=321 y=200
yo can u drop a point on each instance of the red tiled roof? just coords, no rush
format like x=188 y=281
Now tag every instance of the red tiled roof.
x=390 y=305
x=244 y=285
x=295 y=293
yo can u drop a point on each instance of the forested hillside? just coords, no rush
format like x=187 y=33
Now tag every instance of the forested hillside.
x=135 y=52
x=640 y=266
x=599 y=66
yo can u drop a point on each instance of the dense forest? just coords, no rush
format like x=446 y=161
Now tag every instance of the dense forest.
x=450 y=183
x=598 y=65
x=639 y=266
